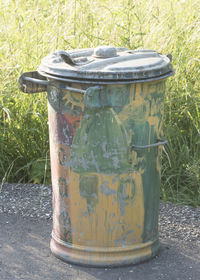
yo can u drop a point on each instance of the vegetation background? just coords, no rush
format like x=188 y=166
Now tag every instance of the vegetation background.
x=31 y=29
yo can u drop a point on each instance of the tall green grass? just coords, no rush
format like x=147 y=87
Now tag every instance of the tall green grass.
x=31 y=29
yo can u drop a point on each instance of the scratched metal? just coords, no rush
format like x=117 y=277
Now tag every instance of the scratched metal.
x=105 y=190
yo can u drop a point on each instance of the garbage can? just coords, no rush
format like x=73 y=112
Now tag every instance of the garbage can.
x=105 y=108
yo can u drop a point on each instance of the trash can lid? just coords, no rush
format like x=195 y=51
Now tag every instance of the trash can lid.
x=106 y=63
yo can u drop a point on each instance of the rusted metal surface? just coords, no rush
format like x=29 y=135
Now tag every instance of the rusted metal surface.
x=104 y=146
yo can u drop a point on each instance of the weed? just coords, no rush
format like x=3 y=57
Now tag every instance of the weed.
x=31 y=29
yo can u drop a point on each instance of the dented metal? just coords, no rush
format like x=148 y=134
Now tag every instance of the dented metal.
x=104 y=145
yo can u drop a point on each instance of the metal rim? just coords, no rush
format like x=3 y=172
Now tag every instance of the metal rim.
x=104 y=82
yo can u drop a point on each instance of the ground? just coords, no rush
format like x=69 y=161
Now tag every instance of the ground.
x=25 y=237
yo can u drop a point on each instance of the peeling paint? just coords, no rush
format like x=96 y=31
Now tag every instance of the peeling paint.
x=63 y=186
x=122 y=241
x=111 y=189
x=65 y=225
x=106 y=190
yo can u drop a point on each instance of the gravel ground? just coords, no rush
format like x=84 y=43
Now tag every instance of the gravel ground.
x=181 y=223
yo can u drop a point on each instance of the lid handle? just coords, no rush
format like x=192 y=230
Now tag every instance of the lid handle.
x=105 y=52
x=169 y=56
x=66 y=57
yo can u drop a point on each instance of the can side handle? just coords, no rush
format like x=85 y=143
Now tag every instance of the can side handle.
x=32 y=82
x=159 y=143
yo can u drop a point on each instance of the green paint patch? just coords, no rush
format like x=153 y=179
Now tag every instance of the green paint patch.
x=63 y=187
x=54 y=98
x=125 y=193
x=100 y=144
x=88 y=188
x=62 y=156
x=65 y=226
x=126 y=189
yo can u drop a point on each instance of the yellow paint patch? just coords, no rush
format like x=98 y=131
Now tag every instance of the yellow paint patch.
x=106 y=225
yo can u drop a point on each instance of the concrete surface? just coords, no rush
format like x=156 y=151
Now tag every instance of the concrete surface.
x=25 y=254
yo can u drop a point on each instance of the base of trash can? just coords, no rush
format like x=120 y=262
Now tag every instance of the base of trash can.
x=103 y=257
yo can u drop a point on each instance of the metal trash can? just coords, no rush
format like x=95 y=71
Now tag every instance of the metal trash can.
x=105 y=108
